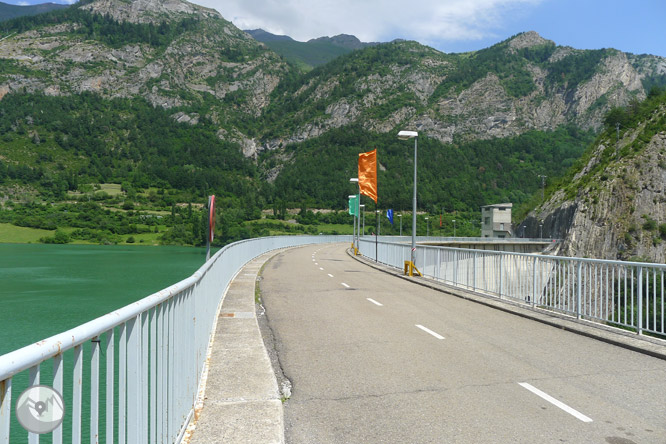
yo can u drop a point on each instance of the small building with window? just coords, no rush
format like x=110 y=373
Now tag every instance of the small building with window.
x=496 y=220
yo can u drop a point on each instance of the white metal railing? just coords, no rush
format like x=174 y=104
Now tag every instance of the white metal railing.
x=144 y=388
x=622 y=294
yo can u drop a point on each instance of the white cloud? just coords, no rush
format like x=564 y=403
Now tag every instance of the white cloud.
x=373 y=20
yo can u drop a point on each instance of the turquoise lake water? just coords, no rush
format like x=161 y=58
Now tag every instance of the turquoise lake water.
x=48 y=289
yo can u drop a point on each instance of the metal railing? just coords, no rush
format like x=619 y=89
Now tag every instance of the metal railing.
x=145 y=387
x=621 y=294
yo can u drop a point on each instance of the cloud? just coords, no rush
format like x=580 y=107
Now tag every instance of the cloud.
x=374 y=20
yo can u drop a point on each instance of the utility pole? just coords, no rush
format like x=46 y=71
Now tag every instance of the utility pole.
x=543 y=186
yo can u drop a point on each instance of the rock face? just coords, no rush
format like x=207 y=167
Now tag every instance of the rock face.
x=615 y=207
x=210 y=66
x=148 y=11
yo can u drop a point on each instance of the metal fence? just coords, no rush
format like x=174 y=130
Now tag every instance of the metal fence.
x=621 y=294
x=144 y=388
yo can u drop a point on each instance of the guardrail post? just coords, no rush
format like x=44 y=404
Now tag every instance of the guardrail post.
x=579 y=289
x=639 y=325
x=455 y=267
x=501 y=270
x=474 y=272
x=5 y=409
x=94 y=390
x=535 y=260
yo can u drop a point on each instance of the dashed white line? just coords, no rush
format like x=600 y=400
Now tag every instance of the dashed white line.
x=375 y=302
x=427 y=330
x=555 y=402
x=345 y=285
x=330 y=275
x=321 y=269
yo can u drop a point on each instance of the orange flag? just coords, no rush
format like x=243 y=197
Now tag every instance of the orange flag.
x=367 y=174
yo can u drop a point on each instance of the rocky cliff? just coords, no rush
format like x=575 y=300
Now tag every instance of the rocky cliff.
x=614 y=206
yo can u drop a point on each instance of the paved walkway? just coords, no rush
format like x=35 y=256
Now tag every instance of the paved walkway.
x=242 y=402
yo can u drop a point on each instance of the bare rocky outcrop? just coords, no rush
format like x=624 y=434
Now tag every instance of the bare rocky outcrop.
x=616 y=211
x=149 y=11
x=528 y=40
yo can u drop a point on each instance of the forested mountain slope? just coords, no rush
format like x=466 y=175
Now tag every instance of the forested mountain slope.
x=167 y=94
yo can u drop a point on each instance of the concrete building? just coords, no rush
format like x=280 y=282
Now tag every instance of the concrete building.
x=496 y=220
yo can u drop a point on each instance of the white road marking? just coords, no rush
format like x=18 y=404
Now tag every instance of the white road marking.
x=330 y=275
x=321 y=269
x=345 y=285
x=375 y=302
x=427 y=330
x=555 y=402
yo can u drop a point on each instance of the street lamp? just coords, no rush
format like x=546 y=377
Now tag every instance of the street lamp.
x=543 y=186
x=454 y=228
x=406 y=135
x=363 y=206
x=541 y=230
x=379 y=222
x=427 y=228
x=400 y=216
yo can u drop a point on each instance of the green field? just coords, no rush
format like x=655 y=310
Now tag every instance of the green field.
x=11 y=234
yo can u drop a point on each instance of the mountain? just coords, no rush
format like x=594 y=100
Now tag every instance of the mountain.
x=612 y=205
x=174 y=54
x=314 y=52
x=524 y=83
x=166 y=92
x=8 y=12
x=345 y=41
x=265 y=36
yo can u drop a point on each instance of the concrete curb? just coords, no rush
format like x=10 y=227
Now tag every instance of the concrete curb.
x=643 y=344
x=241 y=400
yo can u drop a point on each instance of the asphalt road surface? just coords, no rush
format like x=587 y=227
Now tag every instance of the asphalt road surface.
x=377 y=359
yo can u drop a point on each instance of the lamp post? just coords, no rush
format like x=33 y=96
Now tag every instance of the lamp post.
x=406 y=135
x=400 y=216
x=543 y=186
x=353 y=196
x=363 y=232
x=454 y=228
x=541 y=230
x=358 y=208
x=427 y=228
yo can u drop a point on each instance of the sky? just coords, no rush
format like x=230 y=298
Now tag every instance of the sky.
x=636 y=26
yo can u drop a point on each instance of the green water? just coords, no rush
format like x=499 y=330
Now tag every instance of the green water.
x=47 y=289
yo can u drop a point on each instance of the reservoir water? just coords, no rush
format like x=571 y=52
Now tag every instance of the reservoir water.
x=48 y=289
